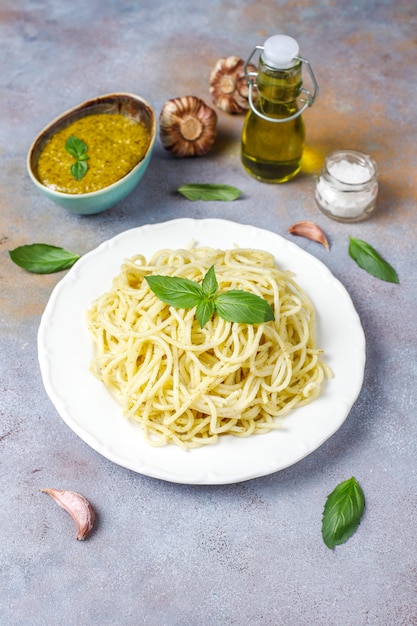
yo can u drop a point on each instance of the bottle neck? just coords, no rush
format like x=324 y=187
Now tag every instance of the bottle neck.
x=278 y=87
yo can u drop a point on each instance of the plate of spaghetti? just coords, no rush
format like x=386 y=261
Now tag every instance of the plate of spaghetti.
x=149 y=388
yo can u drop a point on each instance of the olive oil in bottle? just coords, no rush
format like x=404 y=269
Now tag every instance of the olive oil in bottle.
x=273 y=132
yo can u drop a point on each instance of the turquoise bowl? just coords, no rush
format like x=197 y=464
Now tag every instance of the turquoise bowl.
x=96 y=201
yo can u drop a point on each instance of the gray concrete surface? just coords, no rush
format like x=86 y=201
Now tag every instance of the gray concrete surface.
x=249 y=554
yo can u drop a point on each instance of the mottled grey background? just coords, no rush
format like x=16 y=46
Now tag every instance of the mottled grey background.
x=248 y=554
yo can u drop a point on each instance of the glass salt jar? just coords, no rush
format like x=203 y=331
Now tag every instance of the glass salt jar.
x=347 y=187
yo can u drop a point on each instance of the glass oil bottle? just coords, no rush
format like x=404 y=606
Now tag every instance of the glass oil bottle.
x=273 y=132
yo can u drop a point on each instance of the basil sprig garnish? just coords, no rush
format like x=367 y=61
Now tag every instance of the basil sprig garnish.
x=77 y=148
x=234 y=305
x=342 y=512
x=369 y=260
x=209 y=191
x=41 y=258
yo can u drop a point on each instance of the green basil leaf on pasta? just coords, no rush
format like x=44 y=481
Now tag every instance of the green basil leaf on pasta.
x=243 y=307
x=181 y=293
x=233 y=306
x=209 y=191
x=204 y=312
x=209 y=285
x=369 y=260
x=342 y=512
x=41 y=258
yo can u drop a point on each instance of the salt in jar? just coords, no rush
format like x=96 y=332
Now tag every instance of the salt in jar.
x=347 y=187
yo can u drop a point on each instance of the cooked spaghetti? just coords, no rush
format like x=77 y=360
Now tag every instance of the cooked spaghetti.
x=188 y=385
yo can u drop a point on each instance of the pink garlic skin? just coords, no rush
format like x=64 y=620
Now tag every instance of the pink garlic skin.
x=78 y=508
x=309 y=230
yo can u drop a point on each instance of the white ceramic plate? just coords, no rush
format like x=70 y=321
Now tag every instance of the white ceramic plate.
x=65 y=350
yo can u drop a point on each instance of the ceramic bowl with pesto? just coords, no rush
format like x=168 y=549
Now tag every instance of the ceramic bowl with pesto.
x=94 y=155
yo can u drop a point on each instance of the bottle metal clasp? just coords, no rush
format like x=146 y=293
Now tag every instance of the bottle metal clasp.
x=306 y=102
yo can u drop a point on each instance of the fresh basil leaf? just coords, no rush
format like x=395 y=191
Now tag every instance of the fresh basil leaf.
x=78 y=149
x=209 y=191
x=79 y=169
x=181 y=293
x=204 y=312
x=234 y=305
x=243 y=307
x=210 y=286
x=75 y=147
x=342 y=512
x=41 y=258
x=368 y=259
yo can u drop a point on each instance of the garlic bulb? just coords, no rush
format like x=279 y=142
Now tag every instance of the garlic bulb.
x=228 y=86
x=187 y=126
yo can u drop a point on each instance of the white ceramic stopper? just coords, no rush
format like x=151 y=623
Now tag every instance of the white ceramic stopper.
x=279 y=52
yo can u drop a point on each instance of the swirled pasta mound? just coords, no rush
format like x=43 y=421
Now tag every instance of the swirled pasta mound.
x=188 y=385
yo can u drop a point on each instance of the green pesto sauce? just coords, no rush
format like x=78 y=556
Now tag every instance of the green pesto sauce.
x=115 y=144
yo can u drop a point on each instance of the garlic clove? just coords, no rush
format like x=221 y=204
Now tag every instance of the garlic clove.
x=78 y=507
x=309 y=230
x=228 y=86
x=187 y=126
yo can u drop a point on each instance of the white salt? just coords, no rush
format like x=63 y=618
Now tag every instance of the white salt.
x=349 y=188
x=342 y=204
x=351 y=173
